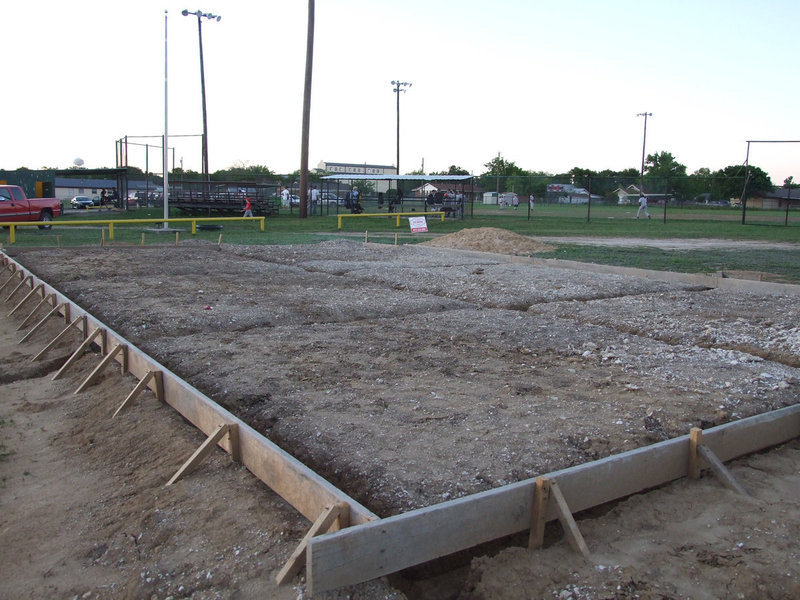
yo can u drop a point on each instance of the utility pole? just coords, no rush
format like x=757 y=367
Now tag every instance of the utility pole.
x=306 y=113
x=399 y=87
x=644 y=143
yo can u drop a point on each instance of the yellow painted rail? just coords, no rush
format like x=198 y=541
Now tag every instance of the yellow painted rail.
x=398 y=215
x=12 y=225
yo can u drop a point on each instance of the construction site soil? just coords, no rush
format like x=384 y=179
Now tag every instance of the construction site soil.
x=410 y=375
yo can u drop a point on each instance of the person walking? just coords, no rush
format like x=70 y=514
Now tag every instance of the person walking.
x=285 y=197
x=531 y=200
x=314 y=200
x=248 y=208
x=642 y=207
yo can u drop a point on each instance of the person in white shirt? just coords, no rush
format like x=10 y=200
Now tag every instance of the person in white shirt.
x=642 y=207
x=285 y=198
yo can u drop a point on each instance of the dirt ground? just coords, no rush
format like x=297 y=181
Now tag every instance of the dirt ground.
x=406 y=376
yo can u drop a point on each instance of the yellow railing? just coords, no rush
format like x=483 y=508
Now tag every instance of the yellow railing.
x=12 y=225
x=398 y=215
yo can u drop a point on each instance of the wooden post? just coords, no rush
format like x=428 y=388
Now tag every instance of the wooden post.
x=142 y=244
x=366 y=236
x=541 y=496
x=177 y=237
x=695 y=440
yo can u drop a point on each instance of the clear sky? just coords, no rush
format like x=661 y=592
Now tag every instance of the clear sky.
x=549 y=85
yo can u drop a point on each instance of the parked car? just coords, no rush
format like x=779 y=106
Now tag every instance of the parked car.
x=329 y=198
x=81 y=202
x=16 y=206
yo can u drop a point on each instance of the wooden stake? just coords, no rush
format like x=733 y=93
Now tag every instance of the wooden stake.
x=99 y=368
x=366 y=237
x=142 y=244
x=14 y=273
x=219 y=241
x=177 y=236
x=728 y=480
x=136 y=391
x=695 y=440
x=541 y=496
x=58 y=338
x=36 y=327
x=33 y=292
x=568 y=522
x=201 y=452
x=102 y=237
x=49 y=299
x=79 y=351
x=294 y=565
x=19 y=285
x=395 y=238
x=58 y=241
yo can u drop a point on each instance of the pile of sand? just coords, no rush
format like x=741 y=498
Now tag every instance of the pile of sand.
x=490 y=239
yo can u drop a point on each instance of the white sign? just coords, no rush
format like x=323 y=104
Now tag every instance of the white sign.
x=418 y=224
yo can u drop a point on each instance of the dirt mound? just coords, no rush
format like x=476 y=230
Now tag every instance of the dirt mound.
x=490 y=239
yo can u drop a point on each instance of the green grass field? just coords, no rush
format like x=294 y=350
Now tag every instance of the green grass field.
x=545 y=221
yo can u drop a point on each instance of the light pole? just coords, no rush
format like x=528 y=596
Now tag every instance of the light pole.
x=199 y=14
x=399 y=87
x=644 y=142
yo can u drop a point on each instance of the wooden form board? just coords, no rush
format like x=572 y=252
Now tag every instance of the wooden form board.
x=301 y=487
x=379 y=548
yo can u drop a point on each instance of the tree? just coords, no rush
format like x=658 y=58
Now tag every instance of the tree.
x=499 y=166
x=243 y=172
x=789 y=183
x=730 y=181
x=664 y=165
x=452 y=170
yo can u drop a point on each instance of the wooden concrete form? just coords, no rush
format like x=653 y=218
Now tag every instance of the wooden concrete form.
x=301 y=487
x=379 y=548
x=372 y=547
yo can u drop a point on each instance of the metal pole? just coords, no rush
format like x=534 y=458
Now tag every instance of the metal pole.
x=398 y=130
x=746 y=177
x=165 y=145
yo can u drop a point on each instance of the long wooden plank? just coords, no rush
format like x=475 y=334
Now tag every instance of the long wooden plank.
x=376 y=549
x=301 y=487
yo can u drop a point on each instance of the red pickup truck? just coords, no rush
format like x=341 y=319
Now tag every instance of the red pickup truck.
x=15 y=206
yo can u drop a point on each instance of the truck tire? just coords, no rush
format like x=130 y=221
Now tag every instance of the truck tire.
x=46 y=216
